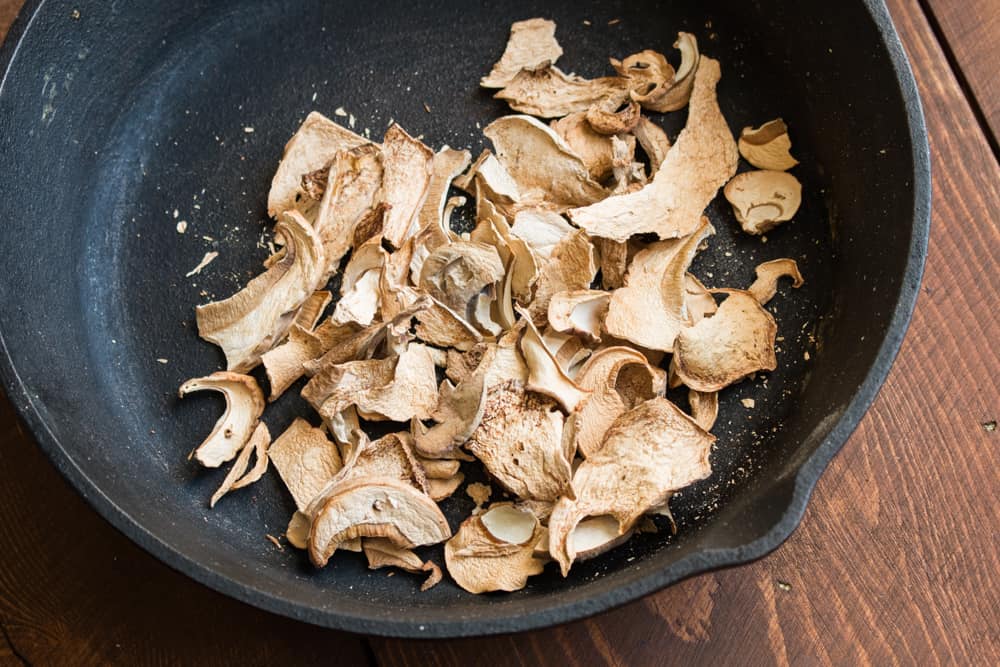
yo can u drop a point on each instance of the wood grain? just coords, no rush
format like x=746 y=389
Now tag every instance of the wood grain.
x=971 y=28
x=895 y=563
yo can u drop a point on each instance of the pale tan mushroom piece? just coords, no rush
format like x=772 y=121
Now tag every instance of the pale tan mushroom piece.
x=540 y=161
x=447 y=165
x=532 y=44
x=244 y=406
x=614 y=115
x=439 y=325
x=494 y=550
x=443 y=469
x=736 y=341
x=673 y=94
x=650 y=310
x=456 y=273
x=306 y=461
x=767 y=146
x=375 y=508
x=297 y=532
x=594 y=149
x=653 y=141
x=704 y=407
x=580 y=312
x=390 y=457
x=766 y=285
x=238 y=477
x=613 y=259
x=286 y=363
x=439 y=489
x=312 y=309
x=545 y=374
x=408 y=167
x=542 y=230
x=648 y=73
x=701 y=161
x=312 y=146
x=649 y=453
x=698 y=300
x=548 y=92
x=256 y=318
x=519 y=441
x=595 y=535
x=572 y=266
x=360 y=289
x=381 y=552
x=479 y=494
x=458 y=413
x=763 y=199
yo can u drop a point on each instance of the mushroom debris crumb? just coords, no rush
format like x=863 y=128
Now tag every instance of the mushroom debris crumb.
x=495 y=349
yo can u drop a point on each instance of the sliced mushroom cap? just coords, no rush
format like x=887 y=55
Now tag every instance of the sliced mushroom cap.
x=698 y=300
x=613 y=115
x=306 y=460
x=736 y=341
x=244 y=406
x=238 y=477
x=455 y=274
x=256 y=318
x=766 y=285
x=532 y=44
x=654 y=142
x=548 y=92
x=704 y=408
x=651 y=309
x=312 y=309
x=286 y=363
x=408 y=166
x=361 y=285
x=580 y=312
x=441 y=326
x=542 y=230
x=439 y=489
x=312 y=147
x=494 y=551
x=767 y=146
x=650 y=452
x=763 y=199
x=662 y=95
x=545 y=374
x=381 y=552
x=540 y=161
x=458 y=413
x=375 y=508
x=593 y=148
x=648 y=72
x=572 y=266
x=519 y=441
x=448 y=163
x=596 y=535
x=701 y=161
x=613 y=258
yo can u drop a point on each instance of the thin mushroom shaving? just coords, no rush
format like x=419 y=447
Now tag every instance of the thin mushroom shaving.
x=244 y=406
x=763 y=199
x=767 y=146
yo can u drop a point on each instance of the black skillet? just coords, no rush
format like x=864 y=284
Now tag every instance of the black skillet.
x=114 y=115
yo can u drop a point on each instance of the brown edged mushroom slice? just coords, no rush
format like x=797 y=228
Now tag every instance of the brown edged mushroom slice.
x=238 y=477
x=704 y=408
x=448 y=163
x=441 y=326
x=542 y=230
x=548 y=92
x=408 y=167
x=244 y=406
x=390 y=457
x=593 y=148
x=256 y=318
x=519 y=441
x=439 y=489
x=650 y=309
x=766 y=285
x=580 y=312
x=306 y=461
x=312 y=146
x=596 y=535
x=381 y=552
x=286 y=363
x=312 y=309
x=572 y=266
x=614 y=115
x=361 y=285
x=455 y=274
x=653 y=141
x=375 y=508
x=494 y=550
x=649 y=453
x=767 y=146
x=532 y=44
x=661 y=94
x=540 y=161
x=701 y=161
x=736 y=341
x=545 y=374
x=442 y=469
x=698 y=300
x=458 y=413
x=763 y=199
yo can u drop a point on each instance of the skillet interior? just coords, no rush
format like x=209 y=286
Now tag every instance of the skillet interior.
x=112 y=122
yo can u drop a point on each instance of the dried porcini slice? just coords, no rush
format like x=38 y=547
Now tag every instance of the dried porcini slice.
x=662 y=95
x=548 y=92
x=545 y=374
x=458 y=413
x=704 y=408
x=532 y=44
x=763 y=199
x=256 y=318
x=372 y=507
x=736 y=341
x=649 y=453
x=494 y=550
x=238 y=477
x=456 y=273
x=542 y=230
x=572 y=266
x=701 y=161
x=653 y=141
x=244 y=406
x=381 y=552
x=767 y=146
x=408 y=168
x=447 y=165
x=360 y=290
x=698 y=300
x=540 y=161
x=650 y=310
x=613 y=115
x=580 y=312
x=596 y=535
x=306 y=461
x=519 y=441
x=441 y=326
x=593 y=148
x=766 y=285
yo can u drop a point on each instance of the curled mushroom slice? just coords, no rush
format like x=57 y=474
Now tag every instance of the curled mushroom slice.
x=767 y=146
x=593 y=148
x=580 y=312
x=650 y=309
x=654 y=142
x=766 y=285
x=458 y=413
x=519 y=441
x=613 y=261
x=545 y=375
x=375 y=508
x=408 y=167
x=360 y=289
x=447 y=164
x=455 y=274
x=494 y=550
x=704 y=407
x=656 y=85
x=541 y=229
x=698 y=300
x=567 y=349
x=439 y=489
x=649 y=453
x=701 y=161
x=736 y=341
x=256 y=318
x=381 y=552
x=548 y=92
x=572 y=266
x=244 y=406
x=439 y=468
x=613 y=115
x=313 y=145
x=532 y=44
x=306 y=460
x=439 y=325
x=238 y=477
x=389 y=457
x=540 y=161
x=763 y=199
x=596 y=535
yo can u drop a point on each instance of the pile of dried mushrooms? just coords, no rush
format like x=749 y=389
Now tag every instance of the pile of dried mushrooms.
x=551 y=322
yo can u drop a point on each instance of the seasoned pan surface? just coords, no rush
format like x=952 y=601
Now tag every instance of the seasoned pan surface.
x=117 y=120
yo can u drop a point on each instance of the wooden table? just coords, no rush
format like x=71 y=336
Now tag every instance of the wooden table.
x=910 y=575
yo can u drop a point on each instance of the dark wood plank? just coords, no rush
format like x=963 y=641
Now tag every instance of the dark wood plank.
x=896 y=559
x=972 y=31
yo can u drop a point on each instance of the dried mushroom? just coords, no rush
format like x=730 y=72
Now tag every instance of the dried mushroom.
x=408 y=167
x=653 y=141
x=542 y=230
x=494 y=550
x=656 y=91
x=572 y=266
x=613 y=115
x=360 y=289
x=458 y=413
x=354 y=180
x=766 y=285
x=244 y=406
x=306 y=461
x=456 y=273
x=762 y=200
x=548 y=92
x=238 y=477
x=592 y=147
x=448 y=163
x=704 y=408
x=381 y=552
x=595 y=535
x=580 y=312
x=767 y=146
x=545 y=374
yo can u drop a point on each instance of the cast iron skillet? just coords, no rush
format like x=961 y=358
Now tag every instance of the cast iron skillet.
x=113 y=118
